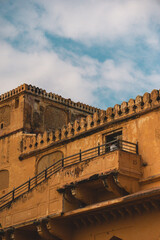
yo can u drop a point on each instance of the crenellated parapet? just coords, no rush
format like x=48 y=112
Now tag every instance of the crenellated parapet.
x=141 y=104
x=13 y=92
x=51 y=96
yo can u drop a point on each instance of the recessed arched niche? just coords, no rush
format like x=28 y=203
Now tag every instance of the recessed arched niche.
x=4 y=179
x=47 y=160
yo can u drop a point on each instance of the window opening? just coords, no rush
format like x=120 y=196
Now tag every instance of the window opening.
x=1 y=125
x=112 y=141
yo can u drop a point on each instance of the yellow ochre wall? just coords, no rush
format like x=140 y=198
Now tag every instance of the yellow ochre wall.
x=21 y=148
x=137 y=227
x=143 y=130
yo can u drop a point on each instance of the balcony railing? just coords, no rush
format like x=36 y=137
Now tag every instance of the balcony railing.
x=82 y=156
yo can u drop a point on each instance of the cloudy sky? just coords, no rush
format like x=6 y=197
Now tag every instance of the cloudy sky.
x=99 y=52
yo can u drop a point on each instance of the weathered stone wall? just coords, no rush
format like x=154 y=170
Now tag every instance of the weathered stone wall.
x=141 y=127
x=142 y=130
x=25 y=153
x=34 y=110
x=25 y=88
x=138 y=119
x=46 y=200
x=10 y=149
x=4 y=176
x=5 y=113
x=11 y=115
x=124 y=112
x=48 y=160
x=26 y=109
x=114 y=226
x=45 y=115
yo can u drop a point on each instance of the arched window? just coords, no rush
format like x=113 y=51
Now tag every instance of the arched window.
x=48 y=160
x=4 y=179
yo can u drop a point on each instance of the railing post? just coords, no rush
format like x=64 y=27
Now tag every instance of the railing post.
x=98 y=149
x=36 y=181
x=137 y=148
x=29 y=184
x=118 y=145
x=13 y=192
x=62 y=162
x=45 y=173
x=80 y=155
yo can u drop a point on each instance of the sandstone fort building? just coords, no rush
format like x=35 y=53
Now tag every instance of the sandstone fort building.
x=69 y=171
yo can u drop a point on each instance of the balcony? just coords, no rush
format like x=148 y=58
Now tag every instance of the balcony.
x=100 y=173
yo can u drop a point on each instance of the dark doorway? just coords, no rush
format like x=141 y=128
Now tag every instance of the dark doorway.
x=115 y=238
x=112 y=142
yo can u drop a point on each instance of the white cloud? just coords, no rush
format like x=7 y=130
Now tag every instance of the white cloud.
x=7 y=30
x=88 y=21
x=102 y=20
x=45 y=69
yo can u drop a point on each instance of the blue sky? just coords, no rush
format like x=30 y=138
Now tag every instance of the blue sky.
x=96 y=52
